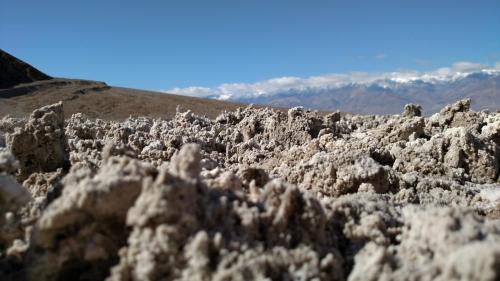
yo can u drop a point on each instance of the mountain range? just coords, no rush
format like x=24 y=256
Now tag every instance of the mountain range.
x=386 y=95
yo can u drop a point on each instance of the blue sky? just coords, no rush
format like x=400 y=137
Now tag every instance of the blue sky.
x=180 y=43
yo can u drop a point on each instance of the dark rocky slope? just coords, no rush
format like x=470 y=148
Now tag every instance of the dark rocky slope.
x=13 y=71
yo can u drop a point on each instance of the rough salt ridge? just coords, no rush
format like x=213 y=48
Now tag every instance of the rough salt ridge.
x=256 y=194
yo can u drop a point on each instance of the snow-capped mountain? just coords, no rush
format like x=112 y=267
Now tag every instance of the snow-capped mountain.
x=385 y=93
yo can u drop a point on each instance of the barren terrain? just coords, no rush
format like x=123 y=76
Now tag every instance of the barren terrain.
x=98 y=100
x=253 y=194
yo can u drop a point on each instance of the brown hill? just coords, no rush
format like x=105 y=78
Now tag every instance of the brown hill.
x=14 y=71
x=98 y=100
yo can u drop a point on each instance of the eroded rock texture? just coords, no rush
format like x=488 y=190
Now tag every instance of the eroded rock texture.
x=256 y=194
x=40 y=145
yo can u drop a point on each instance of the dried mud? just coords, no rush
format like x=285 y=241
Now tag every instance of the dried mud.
x=255 y=194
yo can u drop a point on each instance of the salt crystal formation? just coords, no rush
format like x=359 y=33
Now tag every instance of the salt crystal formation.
x=256 y=194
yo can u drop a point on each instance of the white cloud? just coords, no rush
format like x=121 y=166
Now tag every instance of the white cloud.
x=191 y=91
x=282 y=84
x=465 y=66
x=381 y=56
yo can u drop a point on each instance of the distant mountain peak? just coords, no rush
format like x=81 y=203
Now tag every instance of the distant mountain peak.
x=446 y=78
x=14 y=71
x=382 y=94
x=395 y=81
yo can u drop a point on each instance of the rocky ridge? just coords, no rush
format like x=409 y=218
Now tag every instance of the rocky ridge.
x=13 y=71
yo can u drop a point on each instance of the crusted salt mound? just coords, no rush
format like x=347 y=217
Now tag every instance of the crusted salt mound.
x=85 y=227
x=40 y=145
x=13 y=197
x=254 y=194
x=412 y=110
x=231 y=237
x=435 y=244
